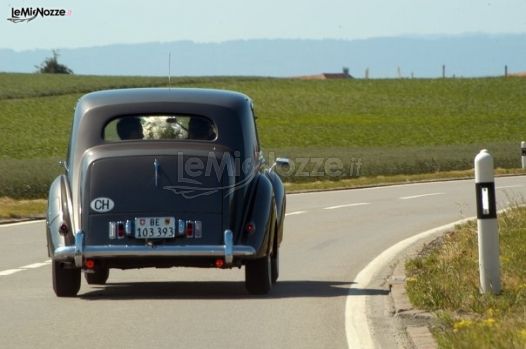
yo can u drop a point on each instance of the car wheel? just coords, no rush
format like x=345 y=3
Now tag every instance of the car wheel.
x=274 y=265
x=258 y=275
x=98 y=277
x=66 y=281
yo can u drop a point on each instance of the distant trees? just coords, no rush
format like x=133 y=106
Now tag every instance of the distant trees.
x=52 y=66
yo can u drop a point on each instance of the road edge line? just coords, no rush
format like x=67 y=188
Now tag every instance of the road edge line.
x=357 y=328
x=6 y=225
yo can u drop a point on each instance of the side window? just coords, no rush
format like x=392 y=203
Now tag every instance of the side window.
x=160 y=127
x=255 y=126
x=260 y=156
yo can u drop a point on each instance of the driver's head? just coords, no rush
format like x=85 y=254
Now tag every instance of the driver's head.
x=200 y=128
x=129 y=128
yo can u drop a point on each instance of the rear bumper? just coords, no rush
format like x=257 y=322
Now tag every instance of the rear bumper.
x=80 y=251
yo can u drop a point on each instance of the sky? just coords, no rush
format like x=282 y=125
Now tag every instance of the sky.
x=99 y=23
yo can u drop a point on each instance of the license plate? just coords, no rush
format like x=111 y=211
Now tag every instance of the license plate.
x=154 y=227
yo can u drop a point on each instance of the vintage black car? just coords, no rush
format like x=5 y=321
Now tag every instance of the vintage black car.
x=164 y=177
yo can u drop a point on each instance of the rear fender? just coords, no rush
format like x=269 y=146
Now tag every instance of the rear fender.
x=281 y=203
x=59 y=213
x=262 y=213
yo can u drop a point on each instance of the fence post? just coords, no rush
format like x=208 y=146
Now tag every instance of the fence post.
x=523 y=152
x=488 y=233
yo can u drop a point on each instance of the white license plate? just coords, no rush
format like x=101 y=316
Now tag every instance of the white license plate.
x=154 y=227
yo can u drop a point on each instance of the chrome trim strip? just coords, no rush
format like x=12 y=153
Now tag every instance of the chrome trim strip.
x=154 y=251
x=229 y=247
x=156 y=171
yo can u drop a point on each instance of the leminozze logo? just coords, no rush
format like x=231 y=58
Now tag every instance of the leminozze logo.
x=27 y=14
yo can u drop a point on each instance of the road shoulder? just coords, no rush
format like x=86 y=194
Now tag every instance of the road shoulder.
x=392 y=320
x=414 y=322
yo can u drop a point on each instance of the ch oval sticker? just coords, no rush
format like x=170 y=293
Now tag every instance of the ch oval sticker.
x=102 y=205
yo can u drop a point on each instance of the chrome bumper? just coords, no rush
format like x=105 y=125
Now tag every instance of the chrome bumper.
x=80 y=251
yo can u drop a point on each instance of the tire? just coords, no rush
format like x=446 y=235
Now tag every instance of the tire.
x=66 y=282
x=274 y=265
x=258 y=278
x=98 y=277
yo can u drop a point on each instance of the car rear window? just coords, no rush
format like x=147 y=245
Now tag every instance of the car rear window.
x=160 y=127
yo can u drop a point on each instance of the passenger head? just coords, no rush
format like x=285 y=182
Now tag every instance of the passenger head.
x=129 y=128
x=200 y=128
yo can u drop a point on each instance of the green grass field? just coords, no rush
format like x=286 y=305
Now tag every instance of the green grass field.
x=371 y=127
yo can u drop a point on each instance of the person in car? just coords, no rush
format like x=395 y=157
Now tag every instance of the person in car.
x=200 y=128
x=129 y=128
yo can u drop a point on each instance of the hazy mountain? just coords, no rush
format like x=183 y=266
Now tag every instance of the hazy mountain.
x=466 y=55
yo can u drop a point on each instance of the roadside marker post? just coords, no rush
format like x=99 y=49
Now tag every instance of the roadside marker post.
x=523 y=151
x=488 y=233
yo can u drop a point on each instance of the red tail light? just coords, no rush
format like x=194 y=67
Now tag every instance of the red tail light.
x=189 y=229
x=250 y=228
x=90 y=264
x=63 y=229
x=121 y=230
x=219 y=263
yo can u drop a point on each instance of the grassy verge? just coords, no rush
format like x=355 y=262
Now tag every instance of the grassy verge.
x=361 y=182
x=10 y=208
x=444 y=279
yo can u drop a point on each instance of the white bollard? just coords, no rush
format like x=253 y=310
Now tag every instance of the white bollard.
x=488 y=233
x=523 y=151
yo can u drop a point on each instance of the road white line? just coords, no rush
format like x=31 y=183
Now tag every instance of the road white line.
x=9 y=272
x=26 y=267
x=420 y=196
x=21 y=223
x=510 y=186
x=36 y=265
x=356 y=320
x=295 y=213
x=347 y=205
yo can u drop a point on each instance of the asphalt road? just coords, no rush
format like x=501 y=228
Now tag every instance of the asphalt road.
x=329 y=238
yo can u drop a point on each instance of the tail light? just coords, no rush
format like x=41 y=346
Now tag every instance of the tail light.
x=189 y=232
x=63 y=229
x=219 y=263
x=198 y=230
x=181 y=227
x=121 y=230
x=250 y=228
x=89 y=264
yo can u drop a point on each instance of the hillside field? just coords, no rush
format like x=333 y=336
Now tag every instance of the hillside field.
x=371 y=127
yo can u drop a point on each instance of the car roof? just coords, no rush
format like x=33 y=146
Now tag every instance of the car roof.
x=94 y=110
x=229 y=110
x=220 y=98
